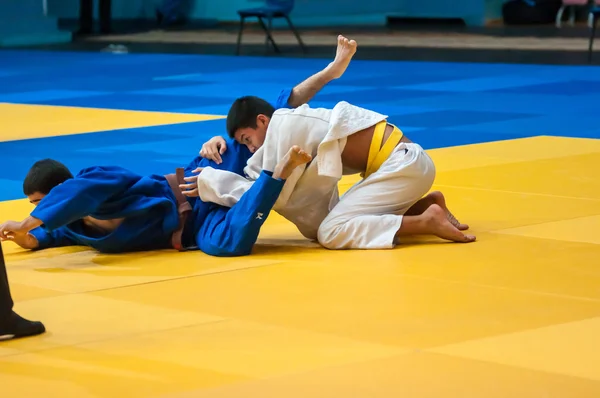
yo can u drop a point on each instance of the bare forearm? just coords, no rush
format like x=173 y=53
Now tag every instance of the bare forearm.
x=18 y=232
x=30 y=223
x=26 y=241
x=305 y=91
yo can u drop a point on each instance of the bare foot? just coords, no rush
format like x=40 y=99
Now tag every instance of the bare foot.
x=436 y=197
x=294 y=158
x=439 y=225
x=343 y=55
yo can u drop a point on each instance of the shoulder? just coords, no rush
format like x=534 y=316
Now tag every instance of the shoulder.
x=304 y=110
x=98 y=170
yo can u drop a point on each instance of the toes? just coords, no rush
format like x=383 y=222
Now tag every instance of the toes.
x=470 y=238
x=464 y=238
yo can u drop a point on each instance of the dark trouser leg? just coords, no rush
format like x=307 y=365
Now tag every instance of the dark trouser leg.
x=6 y=301
x=105 y=15
x=11 y=324
x=86 y=16
x=234 y=231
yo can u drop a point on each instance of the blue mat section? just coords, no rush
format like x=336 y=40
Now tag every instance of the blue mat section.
x=436 y=104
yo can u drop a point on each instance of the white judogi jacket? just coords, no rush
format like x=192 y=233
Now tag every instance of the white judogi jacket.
x=311 y=191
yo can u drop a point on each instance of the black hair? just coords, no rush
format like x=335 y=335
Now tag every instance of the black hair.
x=45 y=175
x=244 y=111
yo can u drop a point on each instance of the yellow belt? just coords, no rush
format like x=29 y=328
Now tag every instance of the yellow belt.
x=376 y=155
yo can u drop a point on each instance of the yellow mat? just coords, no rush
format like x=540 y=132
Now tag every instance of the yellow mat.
x=20 y=122
x=516 y=314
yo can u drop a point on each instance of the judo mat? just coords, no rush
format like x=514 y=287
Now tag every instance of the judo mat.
x=516 y=314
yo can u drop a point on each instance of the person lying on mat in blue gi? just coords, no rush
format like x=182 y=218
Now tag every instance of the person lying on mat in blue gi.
x=102 y=205
x=114 y=210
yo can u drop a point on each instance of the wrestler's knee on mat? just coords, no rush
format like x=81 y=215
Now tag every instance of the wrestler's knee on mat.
x=428 y=171
x=422 y=181
x=331 y=234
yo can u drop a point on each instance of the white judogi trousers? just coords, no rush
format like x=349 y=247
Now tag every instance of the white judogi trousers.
x=369 y=214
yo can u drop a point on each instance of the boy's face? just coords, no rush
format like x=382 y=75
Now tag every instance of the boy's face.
x=253 y=138
x=35 y=198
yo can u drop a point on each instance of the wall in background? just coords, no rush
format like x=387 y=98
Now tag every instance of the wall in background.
x=23 y=22
x=307 y=12
x=493 y=9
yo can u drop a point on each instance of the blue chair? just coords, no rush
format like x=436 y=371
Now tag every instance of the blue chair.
x=594 y=14
x=272 y=9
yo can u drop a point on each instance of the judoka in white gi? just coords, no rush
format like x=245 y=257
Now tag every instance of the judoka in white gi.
x=375 y=213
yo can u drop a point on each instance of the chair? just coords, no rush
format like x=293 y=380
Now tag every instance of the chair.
x=272 y=9
x=572 y=5
x=594 y=15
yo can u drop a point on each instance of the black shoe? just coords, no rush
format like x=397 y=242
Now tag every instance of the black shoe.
x=15 y=327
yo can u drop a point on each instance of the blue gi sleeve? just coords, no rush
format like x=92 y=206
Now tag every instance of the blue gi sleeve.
x=82 y=195
x=56 y=238
x=194 y=164
x=234 y=159
x=234 y=231
x=282 y=101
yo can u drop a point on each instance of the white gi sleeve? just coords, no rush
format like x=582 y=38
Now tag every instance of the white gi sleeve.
x=221 y=187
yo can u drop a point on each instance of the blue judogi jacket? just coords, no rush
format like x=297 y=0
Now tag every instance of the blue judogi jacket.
x=146 y=203
x=108 y=192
